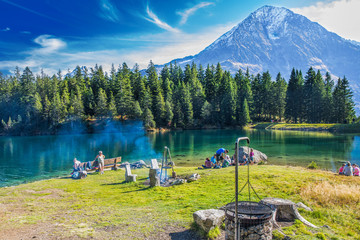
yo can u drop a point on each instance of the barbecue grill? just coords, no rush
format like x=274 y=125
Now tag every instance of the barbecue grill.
x=247 y=219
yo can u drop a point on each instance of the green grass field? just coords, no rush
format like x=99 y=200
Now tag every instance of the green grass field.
x=105 y=207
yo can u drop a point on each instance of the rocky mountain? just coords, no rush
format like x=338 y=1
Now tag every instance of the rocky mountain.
x=277 y=39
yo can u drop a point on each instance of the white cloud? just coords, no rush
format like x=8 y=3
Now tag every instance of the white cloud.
x=340 y=16
x=5 y=29
x=154 y=19
x=109 y=11
x=48 y=43
x=188 y=12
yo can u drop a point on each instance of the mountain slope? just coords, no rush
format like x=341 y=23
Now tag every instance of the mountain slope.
x=276 y=39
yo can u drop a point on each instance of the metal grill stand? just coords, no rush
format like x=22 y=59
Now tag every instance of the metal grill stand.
x=247 y=219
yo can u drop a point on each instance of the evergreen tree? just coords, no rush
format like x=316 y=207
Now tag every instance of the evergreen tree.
x=343 y=103
x=55 y=111
x=148 y=119
x=101 y=104
x=279 y=93
x=124 y=97
x=210 y=84
x=89 y=102
x=294 y=97
x=169 y=114
x=206 y=113
x=313 y=96
x=158 y=104
x=186 y=105
x=328 y=103
x=228 y=104
x=257 y=94
x=245 y=115
x=137 y=112
x=243 y=91
x=112 y=106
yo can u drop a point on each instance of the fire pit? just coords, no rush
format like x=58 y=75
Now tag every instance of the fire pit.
x=253 y=221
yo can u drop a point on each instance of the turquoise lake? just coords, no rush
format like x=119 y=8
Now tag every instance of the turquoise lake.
x=24 y=159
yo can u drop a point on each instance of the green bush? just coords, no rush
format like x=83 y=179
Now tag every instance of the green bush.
x=214 y=233
x=312 y=165
x=320 y=236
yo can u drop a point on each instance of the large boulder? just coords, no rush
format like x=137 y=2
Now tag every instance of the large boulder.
x=209 y=219
x=258 y=156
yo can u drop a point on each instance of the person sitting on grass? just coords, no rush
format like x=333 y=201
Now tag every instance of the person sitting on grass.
x=348 y=169
x=226 y=161
x=77 y=166
x=356 y=170
x=208 y=163
x=213 y=160
x=341 y=170
x=244 y=161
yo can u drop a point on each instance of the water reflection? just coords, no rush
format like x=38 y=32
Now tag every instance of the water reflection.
x=282 y=147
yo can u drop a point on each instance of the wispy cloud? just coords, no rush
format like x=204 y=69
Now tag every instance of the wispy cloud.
x=53 y=53
x=25 y=32
x=28 y=10
x=339 y=16
x=188 y=12
x=5 y=29
x=154 y=19
x=49 y=44
x=109 y=11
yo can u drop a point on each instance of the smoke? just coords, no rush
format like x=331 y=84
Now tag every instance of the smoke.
x=40 y=157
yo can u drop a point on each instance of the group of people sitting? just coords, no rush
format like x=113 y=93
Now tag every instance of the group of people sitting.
x=349 y=170
x=80 y=168
x=222 y=159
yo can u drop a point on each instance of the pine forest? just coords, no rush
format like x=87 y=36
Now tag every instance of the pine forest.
x=193 y=97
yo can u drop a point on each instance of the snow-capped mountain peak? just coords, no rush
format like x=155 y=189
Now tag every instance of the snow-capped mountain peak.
x=277 y=39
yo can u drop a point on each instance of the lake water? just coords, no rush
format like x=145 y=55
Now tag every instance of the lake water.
x=39 y=157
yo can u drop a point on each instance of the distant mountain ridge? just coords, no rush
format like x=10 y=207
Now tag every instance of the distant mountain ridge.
x=277 y=39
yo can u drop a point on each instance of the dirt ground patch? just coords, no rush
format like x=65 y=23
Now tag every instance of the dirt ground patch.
x=47 y=232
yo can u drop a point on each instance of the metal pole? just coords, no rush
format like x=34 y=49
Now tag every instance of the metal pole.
x=237 y=237
x=236 y=187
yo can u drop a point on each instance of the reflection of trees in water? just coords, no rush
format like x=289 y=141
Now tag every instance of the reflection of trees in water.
x=282 y=147
x=325 y=148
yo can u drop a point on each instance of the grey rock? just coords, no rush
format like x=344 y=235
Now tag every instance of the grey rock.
x=193 y=177
x=258 y=156
x=178 y=181
x=209 y=219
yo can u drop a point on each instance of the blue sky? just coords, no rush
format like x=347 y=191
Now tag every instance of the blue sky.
x=53 y=34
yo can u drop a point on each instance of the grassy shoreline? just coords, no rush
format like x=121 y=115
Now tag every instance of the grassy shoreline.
x=328 y=127
x=104 y=206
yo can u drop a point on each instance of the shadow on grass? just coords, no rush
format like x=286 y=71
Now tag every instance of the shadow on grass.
x=185 y=235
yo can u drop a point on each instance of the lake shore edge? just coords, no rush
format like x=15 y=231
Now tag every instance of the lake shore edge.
x=102 y=125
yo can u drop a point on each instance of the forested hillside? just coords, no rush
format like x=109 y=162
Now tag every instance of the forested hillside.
x=175 y=98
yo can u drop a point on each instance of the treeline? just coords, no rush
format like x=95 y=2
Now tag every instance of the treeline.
x=174 y=98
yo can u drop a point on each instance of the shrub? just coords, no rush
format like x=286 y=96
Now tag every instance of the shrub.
x=312 y=165
x=214 y=233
